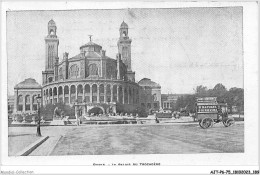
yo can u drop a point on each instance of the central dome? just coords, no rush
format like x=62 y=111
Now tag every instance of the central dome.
x=91 y=46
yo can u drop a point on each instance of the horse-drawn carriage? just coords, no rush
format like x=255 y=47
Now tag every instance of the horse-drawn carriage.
x=209 y=112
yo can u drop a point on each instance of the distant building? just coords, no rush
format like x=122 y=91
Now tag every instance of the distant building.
x=150 y=94
x=25 y=94
x=10 y=104
x=169 y=100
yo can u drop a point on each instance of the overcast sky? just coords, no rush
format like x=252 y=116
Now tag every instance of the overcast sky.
x=178 y=48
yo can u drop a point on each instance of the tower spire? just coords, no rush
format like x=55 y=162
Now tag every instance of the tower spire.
x=124 y=45
x=90 y=36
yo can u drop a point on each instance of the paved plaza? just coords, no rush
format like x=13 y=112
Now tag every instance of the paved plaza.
x=137 y=139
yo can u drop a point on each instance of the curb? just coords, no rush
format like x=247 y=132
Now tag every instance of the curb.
x=26 y=151
x=49 y=153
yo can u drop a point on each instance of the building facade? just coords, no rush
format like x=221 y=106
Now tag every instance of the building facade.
x=150 y=95
x=90 y=78
x=10 y=104
x=25 y=94
x=169 y=100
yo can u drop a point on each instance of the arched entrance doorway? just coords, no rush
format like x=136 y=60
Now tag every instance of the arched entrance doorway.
x=96 y=110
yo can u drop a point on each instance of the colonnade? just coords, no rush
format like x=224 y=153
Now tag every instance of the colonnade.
x=25 y=103
x=91 y=93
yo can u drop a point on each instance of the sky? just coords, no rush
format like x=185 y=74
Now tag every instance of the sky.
x=179 y=48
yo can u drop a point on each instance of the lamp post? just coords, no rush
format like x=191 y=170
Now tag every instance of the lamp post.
x=38 y=98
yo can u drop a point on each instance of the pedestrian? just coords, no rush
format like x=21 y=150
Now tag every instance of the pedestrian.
x=156 y=120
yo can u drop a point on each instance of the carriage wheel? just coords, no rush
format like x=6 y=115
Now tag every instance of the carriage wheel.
x=200 y=123
x=206 y=123
x=228 y=122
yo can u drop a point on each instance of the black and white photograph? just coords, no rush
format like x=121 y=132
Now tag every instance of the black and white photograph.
x=130 y=85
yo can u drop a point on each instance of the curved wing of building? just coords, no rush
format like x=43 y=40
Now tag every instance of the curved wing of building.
x=91 y=77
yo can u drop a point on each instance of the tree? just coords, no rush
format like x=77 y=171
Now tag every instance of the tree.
x=190 y=101
x=220 y=92
x=235 y=97
x=201 y=91
x=185 y=103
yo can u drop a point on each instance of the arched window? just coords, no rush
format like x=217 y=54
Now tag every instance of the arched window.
x=93 y=69
x=130 y=95
x=27 y=102
x=114 y=93
x=120 y=93
x=34 y=102
x=124 y=34
x=126 y=96
x=108 y=93
x=47 y=96
x=50 y=79
x=94 y=93
x=154 y=97
x=20 y=103
x=55 y=95
x=72 y=94
x=124 y=52
x=80 y=93
x=54 y=91
x=74 y=71
x=101 y=91
x=52 y=32
x=50 y=91
x=87 y=93
x=66 y=94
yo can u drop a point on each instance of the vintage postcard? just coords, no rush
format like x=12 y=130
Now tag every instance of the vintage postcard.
x=130 y=85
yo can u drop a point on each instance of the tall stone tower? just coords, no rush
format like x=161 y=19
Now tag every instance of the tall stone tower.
x=51 y=46
x=51 y=52
x=124 y=46
x=124 y=50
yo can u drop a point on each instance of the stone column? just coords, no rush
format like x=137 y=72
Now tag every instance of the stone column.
x=117 y=93
x=69 y=94
x=49 y=97
x=63 y=94
x=105 y=93
x=52 y=96
x=76 y=113
x=101 y=65
x=83 y=98
x=84 y=109
x=128 y=94
x=134 y=96
x=23 y=103
x=31 y=103
x=44 y=99
x=90 y=93
x=98 y=95
x=15 y=102
x=123 y=91
x=76 y=93
x=112 y=91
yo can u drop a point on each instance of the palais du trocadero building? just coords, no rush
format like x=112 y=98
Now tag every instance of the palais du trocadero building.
x=93 y=79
